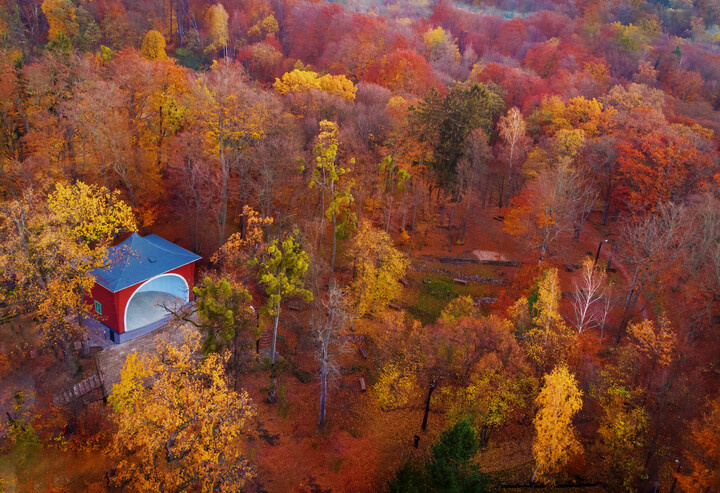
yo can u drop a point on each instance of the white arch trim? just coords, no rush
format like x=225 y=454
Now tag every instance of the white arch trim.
x=127 y=305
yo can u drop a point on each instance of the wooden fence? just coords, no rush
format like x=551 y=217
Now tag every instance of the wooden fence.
x=79 y=390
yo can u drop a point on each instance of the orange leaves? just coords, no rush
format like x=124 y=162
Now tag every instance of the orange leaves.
x=662 y=166
x=657 y=342
x=403 y=70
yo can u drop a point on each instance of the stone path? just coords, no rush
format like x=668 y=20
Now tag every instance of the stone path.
x=110 y=361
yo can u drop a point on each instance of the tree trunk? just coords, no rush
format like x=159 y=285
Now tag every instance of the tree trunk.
x=606 y=209
x=465 y=221
x=403 y=225
x=323 y=394
x=502 y=191
x=431 y=389
x=630 y=301
x=273 y=354
x=334 y=249
x=412 y=223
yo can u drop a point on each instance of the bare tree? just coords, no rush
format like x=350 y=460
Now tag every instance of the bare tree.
x=652 y=244
x=329 y=327
x=601 y=156
x=471 y=168
x=590 y=291
x=606 y=305
x=512 y=131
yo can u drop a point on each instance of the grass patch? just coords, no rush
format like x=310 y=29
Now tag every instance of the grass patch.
x=426 y=302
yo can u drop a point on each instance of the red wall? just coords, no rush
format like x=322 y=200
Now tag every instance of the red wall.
x=107 y=300
x=113 y=304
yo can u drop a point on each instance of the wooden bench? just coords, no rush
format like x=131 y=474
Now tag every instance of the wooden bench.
x=363 y=352
x=395 y=307
x=363 y=387
x=403 y=282
x=460 y=281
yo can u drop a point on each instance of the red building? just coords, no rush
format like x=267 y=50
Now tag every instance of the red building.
x=145 y=276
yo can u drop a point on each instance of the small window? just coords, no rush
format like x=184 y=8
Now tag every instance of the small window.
x=98 y=307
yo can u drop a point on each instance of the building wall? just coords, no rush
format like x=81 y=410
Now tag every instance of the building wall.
x=109 y=315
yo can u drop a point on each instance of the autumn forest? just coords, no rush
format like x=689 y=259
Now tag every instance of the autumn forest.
x=359 y=246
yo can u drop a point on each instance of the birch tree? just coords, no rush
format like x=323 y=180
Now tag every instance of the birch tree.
x=515 y=139
x=329 y=329
x=590 y=291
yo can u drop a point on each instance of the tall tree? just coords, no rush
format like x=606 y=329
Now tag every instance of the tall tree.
x=48 y=249
x=450 y=469
x=653 y=247
x=327 y=176
x=378 y=267
x=282 y=272
x=329 y=326
x=231 y=117
x=180 y=423
x=61 y=17
x=446 y=122
x=555 y=439
x=216 y=19
x=590 y=290
x=512 y=131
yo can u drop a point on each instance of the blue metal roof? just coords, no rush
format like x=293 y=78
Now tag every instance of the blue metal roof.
x=138 y=259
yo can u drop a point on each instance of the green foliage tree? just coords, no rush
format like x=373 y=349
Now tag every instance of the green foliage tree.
x=282 y=272
x=222 y=308
x=449 y=469
x=446 y=122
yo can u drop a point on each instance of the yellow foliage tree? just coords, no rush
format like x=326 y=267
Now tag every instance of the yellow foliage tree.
x=578 y=113
x=395 y=385
x=61 y=17
x=153 y=46
x=49 y=248
x=657 y=342
x=555 y=439
x=265 y=27
x=549 y=339
x=231 y=117
x=216 y=19
x=378 y=268
x=240 y=250
x=623 y=429
x=440 y=44
x=462 y=306
x=181 y=424
x=307 y=80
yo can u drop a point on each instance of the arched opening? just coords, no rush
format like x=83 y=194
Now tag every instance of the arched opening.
x=147 y=305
